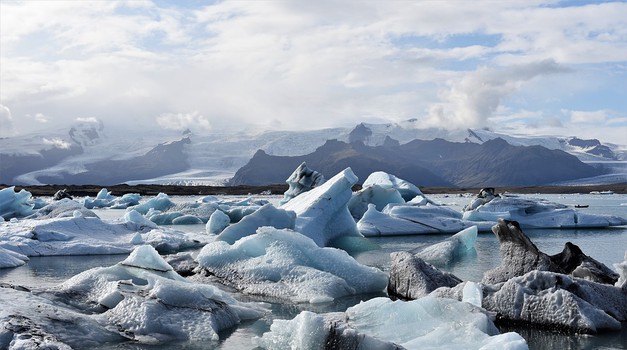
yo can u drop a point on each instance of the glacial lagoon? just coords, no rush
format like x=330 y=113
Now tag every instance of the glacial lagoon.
x=606 y=245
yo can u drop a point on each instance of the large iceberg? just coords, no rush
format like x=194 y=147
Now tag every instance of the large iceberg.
x=322 y=213
x=140 y=299
x=412 y=220
x=104 y=199
x=380 y=323
x=407 y=190
x=532 y=213
x=290 y=266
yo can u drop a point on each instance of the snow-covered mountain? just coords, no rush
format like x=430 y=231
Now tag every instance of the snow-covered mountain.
x=89 y=152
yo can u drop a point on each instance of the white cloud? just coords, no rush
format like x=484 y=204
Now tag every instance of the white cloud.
x=475 y=97
x=87 y=120
x=301 y=64
x=6 y=121
x=588 y=117
x=181 y=121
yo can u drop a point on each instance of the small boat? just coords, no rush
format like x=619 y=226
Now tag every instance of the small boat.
x=581 y=205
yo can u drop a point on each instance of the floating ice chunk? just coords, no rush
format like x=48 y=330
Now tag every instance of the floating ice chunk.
x=137 y=239
x=306 y=331
x=135 y=217
x=9 y=258
x=267 y=215
x=146 y=257
x=473 y=293
x=218 y=221
x=412 y=220
x=301 y=180
x=412 y=278
x=161 y=202
x=187 y=220
x=127 y=200
x=103 y=199
x=621 y=268
x=373 y=194
x=290 y=266
x=15 y=204
x=532 y=213
x=406 y=189
x=143 y=299
x=62 y=208
x=445 y=252
x=380 y=323
x=322 y=213
x=555 y=300
x=87 y=236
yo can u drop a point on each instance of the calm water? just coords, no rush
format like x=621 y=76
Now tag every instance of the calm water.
x=606 y=245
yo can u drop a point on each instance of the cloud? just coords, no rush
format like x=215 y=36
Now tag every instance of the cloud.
x=181 y=121
x=57 y=143
x=474 y=98
x=588 y=117
x=6 y=121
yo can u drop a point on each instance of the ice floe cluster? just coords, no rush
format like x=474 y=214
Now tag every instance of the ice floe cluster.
x=291 y=253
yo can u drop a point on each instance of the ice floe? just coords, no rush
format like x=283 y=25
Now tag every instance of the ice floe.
x=380 y=323
x=140 y=299
x=267 y=215
x=288 y=265
x=301 y=180
x=15 y=204
x=322 y=213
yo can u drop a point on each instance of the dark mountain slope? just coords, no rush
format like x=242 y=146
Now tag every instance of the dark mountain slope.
x=427 y=163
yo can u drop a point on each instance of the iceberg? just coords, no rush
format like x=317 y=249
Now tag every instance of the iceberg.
x=622 y=271
x=103 y=199
x=162 y=211
x=373 y=194
x=413 y=220
x=412 y=278
x=15 y=204
x=9 y=258
x=290 y=266
x=520 y=256
x=301 y=180
x=218 y=221
x=322 y=213
x=79 y=235
x=140 y=299
x=454 y=247
x=267 y=215
x=380 y=323
x=407 y=190
x=62 y=209
x=531 y=213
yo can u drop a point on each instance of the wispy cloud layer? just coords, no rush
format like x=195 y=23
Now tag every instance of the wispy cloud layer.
x=313 y=64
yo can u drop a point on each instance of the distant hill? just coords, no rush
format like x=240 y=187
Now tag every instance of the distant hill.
x=91 y=153
x=427 y=163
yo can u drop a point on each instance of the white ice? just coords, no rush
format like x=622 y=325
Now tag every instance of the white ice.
x=267 y=215
x=301 y=180
x=621 y=268
x=9 y=258
x=322 y=213
x=425 y=323
x=15 y=204
x=218 y=221
x=532 y=213
x=140 y=299
x=406 y=189
x=289 y=265
x=452 y=248
x=373 y=194
x=412 y=220
x=79 y=235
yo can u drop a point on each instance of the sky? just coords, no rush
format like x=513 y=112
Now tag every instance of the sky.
x=520 y=67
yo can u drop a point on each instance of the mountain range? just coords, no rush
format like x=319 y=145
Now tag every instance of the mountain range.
x=89 y=153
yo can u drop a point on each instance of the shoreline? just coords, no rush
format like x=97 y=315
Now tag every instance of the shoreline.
x=279 y=189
